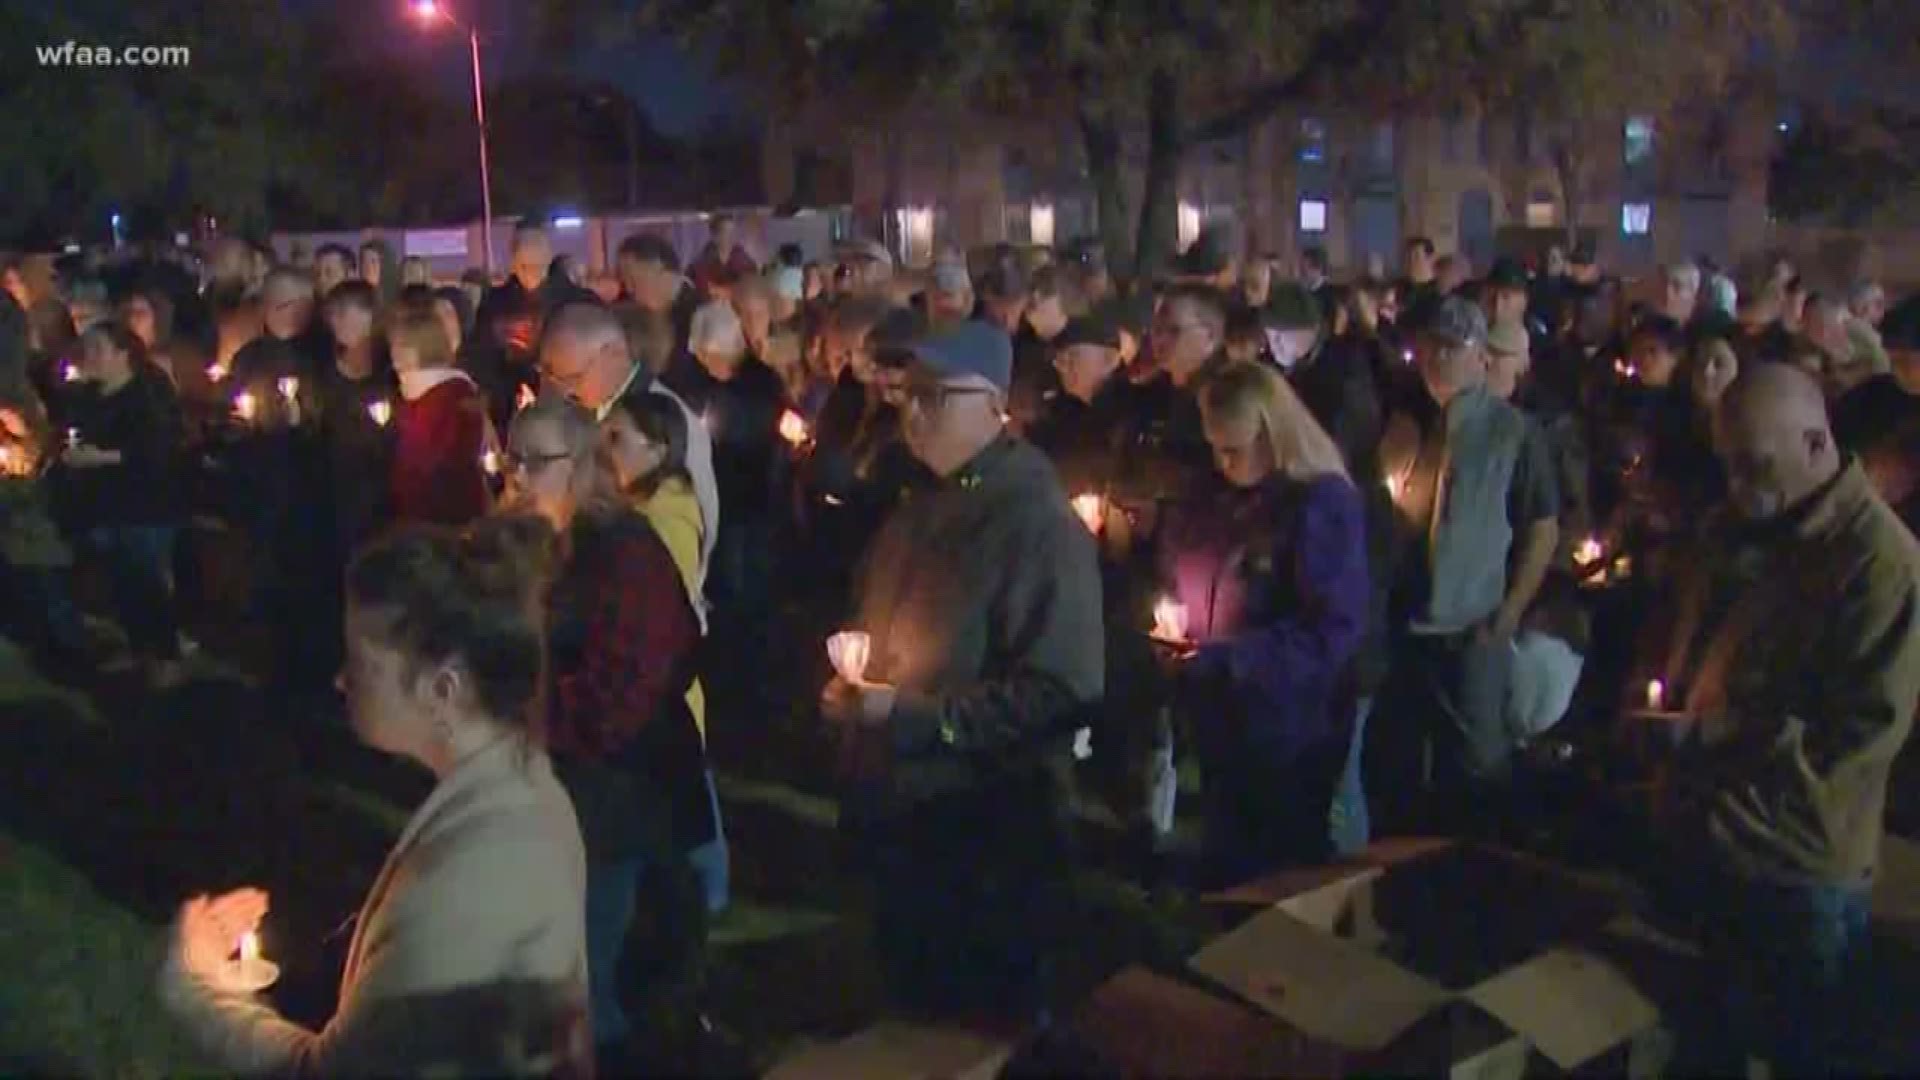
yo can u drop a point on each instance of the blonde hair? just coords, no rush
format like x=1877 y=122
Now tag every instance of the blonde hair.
x=1253 y=393
x=418 y=328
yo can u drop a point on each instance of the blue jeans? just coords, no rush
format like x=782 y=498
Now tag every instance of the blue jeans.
x=613 y=888
x=1349 y=822
x=710 y=860
x=1789 y=954
x=139 y=563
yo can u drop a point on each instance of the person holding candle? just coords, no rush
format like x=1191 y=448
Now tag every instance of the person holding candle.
x=469 y=955
x=441 y=430
x=981 y=598
x=623 y=636
x=1274 y=578
x=1089 y=432
x=1774 y=824
x=1479 y=511
x=34 y=557
x=118 y=488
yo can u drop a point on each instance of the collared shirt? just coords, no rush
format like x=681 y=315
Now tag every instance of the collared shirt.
x=1466 y=484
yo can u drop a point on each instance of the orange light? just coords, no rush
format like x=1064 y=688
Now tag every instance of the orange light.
x=1170 y=620
x=849 y=650
x=1092 y=511
x=1656 y=694
x=793 y=429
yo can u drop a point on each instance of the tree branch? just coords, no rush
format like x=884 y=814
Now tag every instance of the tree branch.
x=1333 y=48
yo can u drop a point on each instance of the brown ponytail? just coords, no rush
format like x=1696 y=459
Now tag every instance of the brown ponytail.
x=477 y=598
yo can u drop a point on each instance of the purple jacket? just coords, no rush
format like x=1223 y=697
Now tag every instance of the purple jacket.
x=1276 y=588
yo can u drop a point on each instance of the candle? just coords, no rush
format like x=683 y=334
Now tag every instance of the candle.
x=1622 y=567
x=289 y=387
x=1589 y=552
x=848 y=650
x=244 y=406
x=1656 y=694
x=524 y=398
x=69 y=373
x=1393 y=488
x=490 y=463
x=1092 y=511
x=381 y=412
x=73 y=437
x=793 y=429
x=1170 y=620
x=216 y=372
x=248 y=971
x=1406 y=356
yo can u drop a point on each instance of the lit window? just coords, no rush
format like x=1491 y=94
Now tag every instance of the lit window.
x=1636 y=218
x=1540 y=214
x=1189 y=223
x=1639 y=142
x=1313 y=215
x=1040 y=224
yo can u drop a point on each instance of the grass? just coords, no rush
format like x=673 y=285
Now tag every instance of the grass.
x=78 y=995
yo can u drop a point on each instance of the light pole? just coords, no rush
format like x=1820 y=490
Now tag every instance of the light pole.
x=429 y=11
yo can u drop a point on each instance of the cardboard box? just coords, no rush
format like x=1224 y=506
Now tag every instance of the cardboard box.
x=900 y=1051
x=1453 y=959
x=1141 y=1023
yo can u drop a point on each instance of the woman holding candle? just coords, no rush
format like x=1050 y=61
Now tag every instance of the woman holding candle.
x=1275 y=583
x=117 y=487
x=469 y=956
x=441 y=429
x=623 y=637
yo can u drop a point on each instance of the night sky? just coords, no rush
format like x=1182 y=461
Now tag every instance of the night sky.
x=680 y=93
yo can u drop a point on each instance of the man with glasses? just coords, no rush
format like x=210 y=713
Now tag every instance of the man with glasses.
x=981 y=596
x=584 y=356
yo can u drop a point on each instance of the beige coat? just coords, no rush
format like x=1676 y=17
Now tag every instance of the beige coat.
x=1799 y=654
x=469 y=957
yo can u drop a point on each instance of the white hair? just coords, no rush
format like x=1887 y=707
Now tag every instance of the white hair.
x=716 y=328
x=1685 y=273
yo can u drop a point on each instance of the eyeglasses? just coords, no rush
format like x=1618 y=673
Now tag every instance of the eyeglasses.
x=933 y=397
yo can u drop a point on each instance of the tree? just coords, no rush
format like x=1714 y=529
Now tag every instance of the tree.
x=1191 y=72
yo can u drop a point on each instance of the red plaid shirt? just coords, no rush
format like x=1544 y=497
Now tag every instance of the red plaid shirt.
x=624 y=635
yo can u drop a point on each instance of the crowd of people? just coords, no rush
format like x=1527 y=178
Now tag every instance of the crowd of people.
x=1353 y=548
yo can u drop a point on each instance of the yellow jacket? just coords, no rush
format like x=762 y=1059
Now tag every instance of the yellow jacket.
x=674 y=513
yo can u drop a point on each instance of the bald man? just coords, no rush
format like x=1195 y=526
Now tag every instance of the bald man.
x=1797 y=654
x=584 y=356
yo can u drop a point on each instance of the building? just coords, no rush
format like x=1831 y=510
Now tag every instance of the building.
x=1648 y=190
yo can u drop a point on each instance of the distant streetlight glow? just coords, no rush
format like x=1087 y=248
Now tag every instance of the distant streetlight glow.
x=568 y=221
x=428 y=11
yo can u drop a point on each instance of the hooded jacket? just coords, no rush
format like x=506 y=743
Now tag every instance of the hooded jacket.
x=982 y=596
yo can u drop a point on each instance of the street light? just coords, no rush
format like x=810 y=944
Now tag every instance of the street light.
x=428 y=12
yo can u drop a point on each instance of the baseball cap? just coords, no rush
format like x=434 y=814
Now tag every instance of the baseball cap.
x=1509 y=339
x=1506 y=274
x=870 y=250
x=1457 y=322
x=972 y=350
x=1100 y=326
x=951 y=277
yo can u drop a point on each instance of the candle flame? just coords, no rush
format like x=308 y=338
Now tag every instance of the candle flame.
x=381 y=412
x=1394 y=487
x=289 y=387
x=490 y=463
x=244 y=405
x=1092 y=511
x=1656 y=694
x=1170 y=620
x=216 y=372
x=1589 y=552
x=249 y=947
x=849 y=651
x=524 y=398
x=69 y=373
x=793 y=429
